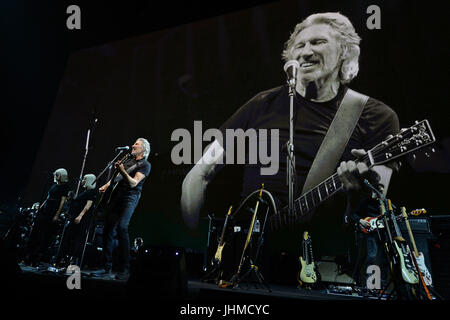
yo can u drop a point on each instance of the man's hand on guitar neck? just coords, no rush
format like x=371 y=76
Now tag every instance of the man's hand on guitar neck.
x=352 y=174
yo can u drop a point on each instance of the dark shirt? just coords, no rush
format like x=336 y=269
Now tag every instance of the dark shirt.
x=123 y=188
x=55 y=193
x=78 y=203
x=270 y=110
x=368 y=207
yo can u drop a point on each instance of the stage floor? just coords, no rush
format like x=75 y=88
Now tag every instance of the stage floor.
x=38 y=282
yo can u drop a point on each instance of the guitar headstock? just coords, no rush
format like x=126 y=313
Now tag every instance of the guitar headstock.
x=305 y=236
x=407 y=140
x=418 y=212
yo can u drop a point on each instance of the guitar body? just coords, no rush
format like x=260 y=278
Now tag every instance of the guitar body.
x=420 y=259
x=423 y=269
x=218 y=255
x=217 y=260
x=375 y=223
x=105 y=197
x=406 y=266
x=307 y=273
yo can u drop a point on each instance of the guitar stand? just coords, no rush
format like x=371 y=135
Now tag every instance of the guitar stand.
x=434 y=293
x=208 y=276
x=253 y=270
x=253 y=267
x=395 y=277
x=215 y=268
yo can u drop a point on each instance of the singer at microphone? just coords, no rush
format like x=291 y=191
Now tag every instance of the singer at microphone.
x=321 y=59
x=126 y=189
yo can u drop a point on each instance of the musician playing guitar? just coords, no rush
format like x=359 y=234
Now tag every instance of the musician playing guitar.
x=126 y=191
x=369 y=244
x=326 y=47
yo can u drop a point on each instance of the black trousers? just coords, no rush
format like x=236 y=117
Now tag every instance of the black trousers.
x=117 y=219
x=371 y=252
x=43 y=232
x=75 y=237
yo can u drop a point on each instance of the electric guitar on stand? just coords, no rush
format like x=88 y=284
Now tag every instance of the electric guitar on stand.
x=401 y=248
x=216 y=261
x=307 y=274
x=236 y=278
x=218 y=255
x=418 y=255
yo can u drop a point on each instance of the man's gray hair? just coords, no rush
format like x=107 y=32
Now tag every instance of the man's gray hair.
x=146 y=146
x=346 y=35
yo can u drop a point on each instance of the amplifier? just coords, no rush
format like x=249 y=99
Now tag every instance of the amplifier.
x=418 y=225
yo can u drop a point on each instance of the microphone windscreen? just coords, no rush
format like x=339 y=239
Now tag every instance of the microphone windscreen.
x=291 y=63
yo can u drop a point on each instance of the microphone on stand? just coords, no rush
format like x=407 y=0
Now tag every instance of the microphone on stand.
x=123 y=148
x=291 y=67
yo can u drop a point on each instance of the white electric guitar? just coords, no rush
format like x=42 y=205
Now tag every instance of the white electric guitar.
x=418 y=255
x=307 y=274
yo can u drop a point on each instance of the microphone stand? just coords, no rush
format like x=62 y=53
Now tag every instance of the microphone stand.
x=290 y=151
x=86 y=151
x=110 y=163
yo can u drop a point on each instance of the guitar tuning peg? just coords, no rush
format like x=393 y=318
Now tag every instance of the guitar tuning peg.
x=427 y=154
x=416 y=122
x=414 y=157
x=433 y=150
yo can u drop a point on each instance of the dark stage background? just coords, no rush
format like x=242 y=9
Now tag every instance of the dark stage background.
x=145 y=82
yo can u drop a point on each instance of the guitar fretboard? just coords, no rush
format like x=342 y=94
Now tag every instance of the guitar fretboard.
x=317 y=195
x=311 y=199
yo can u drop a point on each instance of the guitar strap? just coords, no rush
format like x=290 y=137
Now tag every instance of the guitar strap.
x=336 y=139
